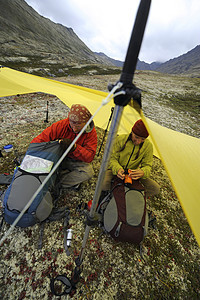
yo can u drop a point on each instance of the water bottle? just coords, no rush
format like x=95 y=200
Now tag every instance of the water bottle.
x=69 y=237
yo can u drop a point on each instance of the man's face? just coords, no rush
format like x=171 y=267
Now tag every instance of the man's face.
x=137 y=140
x=76 y=126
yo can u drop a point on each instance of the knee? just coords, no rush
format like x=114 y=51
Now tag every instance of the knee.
x=89 y=172
x=156 y=189
x=152 y=188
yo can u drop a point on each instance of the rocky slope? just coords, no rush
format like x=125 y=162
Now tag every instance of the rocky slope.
x=188 y=63
x=25 y=33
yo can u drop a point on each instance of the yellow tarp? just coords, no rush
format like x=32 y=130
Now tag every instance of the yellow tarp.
x=180 y=153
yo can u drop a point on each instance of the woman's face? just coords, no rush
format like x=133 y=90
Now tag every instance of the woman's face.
x=137 y=140
x=76 y=126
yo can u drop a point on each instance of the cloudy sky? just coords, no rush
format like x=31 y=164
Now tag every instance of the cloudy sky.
x=173 y=26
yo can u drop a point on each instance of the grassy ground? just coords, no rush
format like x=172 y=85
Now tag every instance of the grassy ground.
x=169 y=268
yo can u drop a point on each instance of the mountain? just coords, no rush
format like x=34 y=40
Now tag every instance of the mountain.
x=35 y=44
x=28 y=38
x=141 y=65
x=188 y=63
x=25 y=33
x=117 y=63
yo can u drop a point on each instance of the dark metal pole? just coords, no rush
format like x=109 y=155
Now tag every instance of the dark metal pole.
x=135 y=42
x=105 y=160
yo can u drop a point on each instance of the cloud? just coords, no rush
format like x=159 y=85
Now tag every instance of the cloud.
x=172 y=30
x=106 y=25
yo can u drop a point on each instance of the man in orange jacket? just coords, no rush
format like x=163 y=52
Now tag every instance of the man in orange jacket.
x=76 y=167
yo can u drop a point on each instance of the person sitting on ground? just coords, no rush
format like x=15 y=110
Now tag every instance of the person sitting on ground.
x=134 y=152
x=76 y=166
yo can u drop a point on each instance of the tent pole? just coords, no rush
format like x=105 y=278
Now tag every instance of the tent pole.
x=106 y=157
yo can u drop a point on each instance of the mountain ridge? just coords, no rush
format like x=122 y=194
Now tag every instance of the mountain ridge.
x=187 y=63
x=31 y=42
x=184 y=64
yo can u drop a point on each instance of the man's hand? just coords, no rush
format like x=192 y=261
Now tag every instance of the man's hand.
x=136 y=174
x=65 y=144
x=121 y=174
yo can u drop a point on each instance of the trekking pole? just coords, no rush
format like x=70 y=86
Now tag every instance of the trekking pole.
x=47 y=113
x=129 y=91
x=105 y=132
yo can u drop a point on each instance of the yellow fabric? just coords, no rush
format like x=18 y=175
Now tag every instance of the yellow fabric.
x=179 y=153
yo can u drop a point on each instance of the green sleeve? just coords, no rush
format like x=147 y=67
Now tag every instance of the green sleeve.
x=114 y=160
x=147 y=161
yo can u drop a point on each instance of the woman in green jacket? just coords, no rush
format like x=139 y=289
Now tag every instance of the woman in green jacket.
x=134 y=152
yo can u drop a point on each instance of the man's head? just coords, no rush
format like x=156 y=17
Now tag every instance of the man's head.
x=78 y=117
x=139 y=132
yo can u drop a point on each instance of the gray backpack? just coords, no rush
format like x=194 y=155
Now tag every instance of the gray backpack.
x=36 y=165
x=125 y=217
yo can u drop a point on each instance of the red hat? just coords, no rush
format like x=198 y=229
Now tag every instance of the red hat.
x=79 y=113
x=140 y=129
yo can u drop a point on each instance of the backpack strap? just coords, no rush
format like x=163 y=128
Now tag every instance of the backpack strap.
x=42 y=224
x=129 y=158
x=140 y=146
x=56 y=214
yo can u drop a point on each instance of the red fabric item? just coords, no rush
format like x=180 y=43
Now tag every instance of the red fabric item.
x=140 y=129
x=85 y=146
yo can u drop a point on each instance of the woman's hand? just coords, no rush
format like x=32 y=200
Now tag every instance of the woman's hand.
x=136 y=174
x=65 y=143
x=121 y=174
